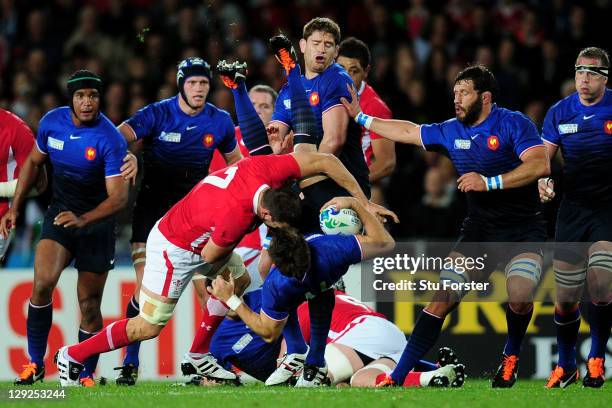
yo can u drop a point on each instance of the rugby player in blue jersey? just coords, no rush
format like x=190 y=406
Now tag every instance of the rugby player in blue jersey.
x=306 y=269
x=499 y=156
x=580 y=125
x=179 y=136
x=86 y=153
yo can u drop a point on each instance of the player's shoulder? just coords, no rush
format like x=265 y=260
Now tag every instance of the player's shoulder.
x=372 y=100
x=512 y=117
x=111 y=133
x=215 y=112
x=10 y=120
x=54 y=114
x=564 y=105
x=335 y=74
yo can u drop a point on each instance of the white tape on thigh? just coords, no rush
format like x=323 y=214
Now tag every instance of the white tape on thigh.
x=235 y=266
x=197 y=276
x=455 y=277
x=526 y=268
x=338 y=364
x=155 y=311
x=379 y=366
x=570 y=278
x=601 y=260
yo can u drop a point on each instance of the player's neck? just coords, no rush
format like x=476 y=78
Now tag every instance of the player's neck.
x=592 y=102
x=486 y=111
x=188 y=110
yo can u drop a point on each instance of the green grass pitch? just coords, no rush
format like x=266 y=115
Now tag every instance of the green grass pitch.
x=475 y=393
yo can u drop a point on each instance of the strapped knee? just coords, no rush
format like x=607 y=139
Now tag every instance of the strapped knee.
x=451 y=276
x=601 y=260
x=155 y=311
x=525 y=268
x=338 y=364
x=570 y=278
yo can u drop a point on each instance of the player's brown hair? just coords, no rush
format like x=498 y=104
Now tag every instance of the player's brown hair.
x=283 y=204
x=265 y=89
x=596 y=53
x=289 y=252
x=327 y=25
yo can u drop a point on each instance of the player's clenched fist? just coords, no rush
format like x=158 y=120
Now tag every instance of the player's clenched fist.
x=471 y=181
x=221 y=288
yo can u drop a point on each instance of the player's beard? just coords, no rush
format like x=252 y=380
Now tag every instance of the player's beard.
x=472 y=113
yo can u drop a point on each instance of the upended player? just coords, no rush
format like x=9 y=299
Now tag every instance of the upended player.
x=581 y=126
x=198 y=234
x=500 y=157
x=179 y=136
x=361 y=344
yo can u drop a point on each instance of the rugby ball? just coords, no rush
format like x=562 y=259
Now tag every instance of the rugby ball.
x=340 y=222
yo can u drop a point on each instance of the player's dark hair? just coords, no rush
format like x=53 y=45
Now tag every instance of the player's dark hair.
x=327 y=25
x=289 y=252
x=596 y=53
x=355 y=48
x=483 y=79
x=265 y=89
x=283 y=204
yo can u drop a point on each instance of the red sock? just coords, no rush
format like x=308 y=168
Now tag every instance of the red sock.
x=111 y=337
x=413 y=379
x=212 y=316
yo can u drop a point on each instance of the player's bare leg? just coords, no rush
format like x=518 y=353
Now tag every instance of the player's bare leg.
x=50 y=260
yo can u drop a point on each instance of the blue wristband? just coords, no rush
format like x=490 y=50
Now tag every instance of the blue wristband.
x=364 y=120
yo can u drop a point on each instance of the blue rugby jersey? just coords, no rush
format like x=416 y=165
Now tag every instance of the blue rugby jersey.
x=173 y=138
x=324 y=92
x=491 y=148
x=584 y=135
x=82 y=157
x=234 y=343
x=330 y=258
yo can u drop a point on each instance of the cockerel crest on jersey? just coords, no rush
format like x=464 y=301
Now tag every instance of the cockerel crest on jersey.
x=90 y=153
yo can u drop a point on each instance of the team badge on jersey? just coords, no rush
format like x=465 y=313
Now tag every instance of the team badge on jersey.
x=608 y=127
x=493 y=142
x=90 y=153
x=208 y=139
x=314 y=98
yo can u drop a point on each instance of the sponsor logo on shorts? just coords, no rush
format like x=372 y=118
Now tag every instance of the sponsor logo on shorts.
x=176 y=287
x=493 y=142
x=242 y=343
x=568 y=128
x=90 y=153
x=55 y=143
x=462 y=144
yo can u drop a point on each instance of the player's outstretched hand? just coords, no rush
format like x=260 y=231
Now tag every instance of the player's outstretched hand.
x=221 y=288
x=278 y=144
x=8 y=222
x=129 y=169
x=381 y=213
x=68 y=219
x=471 y=182
x=546 y=187
x=352 y=107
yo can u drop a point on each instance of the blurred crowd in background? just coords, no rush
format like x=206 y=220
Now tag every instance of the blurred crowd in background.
x=417 y=49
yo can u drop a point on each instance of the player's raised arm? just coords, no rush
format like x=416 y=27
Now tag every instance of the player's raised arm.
x=267 y=328
x=312 y=164
x=402 y=131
